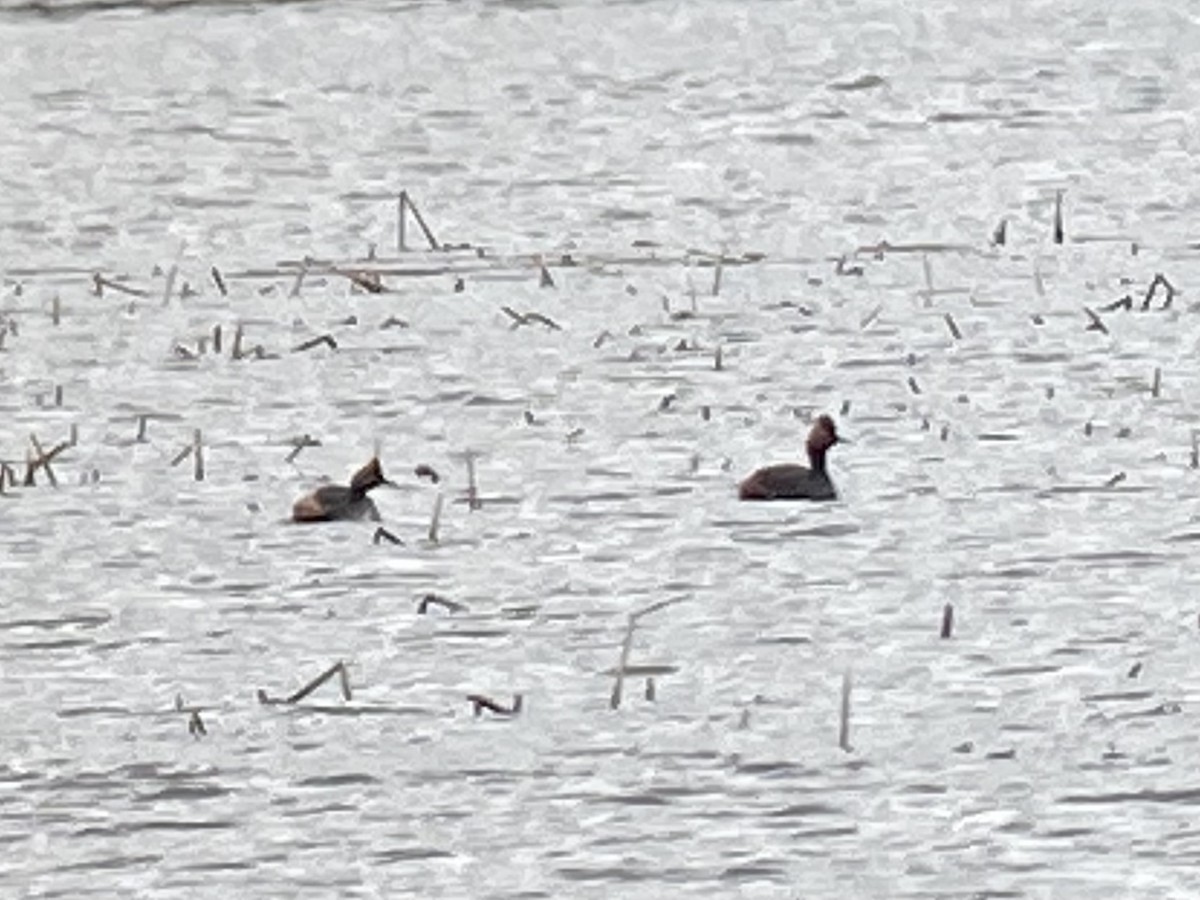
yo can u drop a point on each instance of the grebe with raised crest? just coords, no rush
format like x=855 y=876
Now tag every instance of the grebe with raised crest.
x=334 y=502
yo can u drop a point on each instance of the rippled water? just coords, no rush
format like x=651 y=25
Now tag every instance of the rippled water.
x=1036 y=475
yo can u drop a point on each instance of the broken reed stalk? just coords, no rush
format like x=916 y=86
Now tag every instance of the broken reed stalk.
x=299 y=443
x=953 y=326
x=844 y=718
x=718 y=270
x=326 y=339
x=544 y=278
x=218 y=281
x=1096 y=323
x=338 y=668
x=1195 y=452
x=236 y=351
x=1156 y=385
x=141 y=431
x=216 y=339
x=371 y=282
x=299 y=282
x=42 y=461
x=437 y=600
x=58 y=394
x=1059 y=231
x=947 y=621
x=101 y=283
x=406 y=204
x=535 y=316
x=718 y=360
x=479 y=702
x=56 y=310
x=435 y=520
x=1000 y=235
x=197 y=456
x=614 y=701
x=473 y=501
x=196 y=725
x=382 y=534
x=623 y=667
x=170 y=286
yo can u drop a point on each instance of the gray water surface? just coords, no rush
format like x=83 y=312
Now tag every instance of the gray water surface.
x=1028 y=471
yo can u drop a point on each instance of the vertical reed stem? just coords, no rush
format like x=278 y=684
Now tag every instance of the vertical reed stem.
x=197 y=456
x=844 y=725
x=947 y=621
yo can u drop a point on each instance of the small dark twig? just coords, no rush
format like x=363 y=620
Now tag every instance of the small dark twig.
x=326 y=339
x=382 y=534
x=437 y=600
x=1096 y=323
x=338 y=668
x=424 y=471
x=480 y=703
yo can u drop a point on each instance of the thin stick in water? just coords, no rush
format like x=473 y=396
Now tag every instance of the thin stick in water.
x=844 y=718
x=197 y=456
x=953 y=326
x=437 y=600
x=479 y=702
x=170 y=285
x=382 y=534
x=947 y=621
x=1096 y=323
x=56 y=310
x=338 y=668
x=218 y=281
x=299 y=282
x=1059 y=232
x=401 y=206
x=435 y=520
x=473 y=501
x=412 y=208
x=614 y=701
x=1156 y=385
x=718 y=271
x=326 y=339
